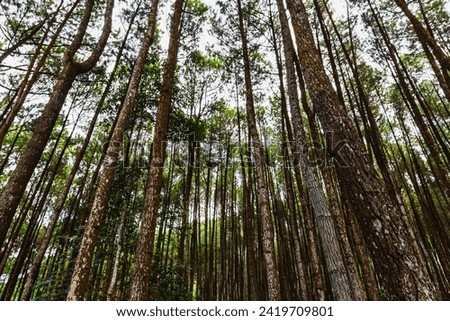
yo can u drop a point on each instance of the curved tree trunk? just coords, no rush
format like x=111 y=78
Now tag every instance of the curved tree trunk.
x=35 y=266
x=28 y=81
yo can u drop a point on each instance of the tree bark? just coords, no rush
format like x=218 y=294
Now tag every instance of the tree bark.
x=395 y=253
x=35 y=266
x=263 y=197
x=78 y=284
x=142 y=271
x=340 y=283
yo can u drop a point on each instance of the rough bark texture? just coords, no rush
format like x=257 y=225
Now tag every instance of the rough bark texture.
x=12 y=194
x=374 y=139
x=340 y=284
x=142 y=271
x=37 y=215
x=396 y=255
x=82 y=267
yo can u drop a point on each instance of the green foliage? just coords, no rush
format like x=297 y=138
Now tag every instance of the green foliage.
x=206 y=61
x=169 y=284
x=414 y=61
x=197 y=7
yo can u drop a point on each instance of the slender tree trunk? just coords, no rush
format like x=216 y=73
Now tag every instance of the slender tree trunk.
x=111 y=293
x=26 y=242
x=439 y=168
x=142 y=272
x=34 y=269
x=340 y=283
x=186 y=200
x=426 y=39
x=11 y=148
x=30 y=33
x=266 y=216
x=78 y=284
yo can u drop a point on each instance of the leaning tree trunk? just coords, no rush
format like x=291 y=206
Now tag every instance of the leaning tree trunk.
x=17 y=183
x=335 y=267
x=37 y=261
x=30 y=33
x=33 y=73
x=395 y=252
x=142 y=272
x=427 y=40
x=80 y=276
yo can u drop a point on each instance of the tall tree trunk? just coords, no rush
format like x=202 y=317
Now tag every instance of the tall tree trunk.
x=395 y=253
x=82 y=267
x=340 y=283
x=426 y=39
x=438 y=167
x=112 y=287
x=142 y=272
x=186 y=200
x=248 y=224
x=30 y=33
x=263 y=197
x=34 y=269
x=26 y=242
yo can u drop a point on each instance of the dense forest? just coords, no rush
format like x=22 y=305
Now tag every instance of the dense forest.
x=225 y=150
